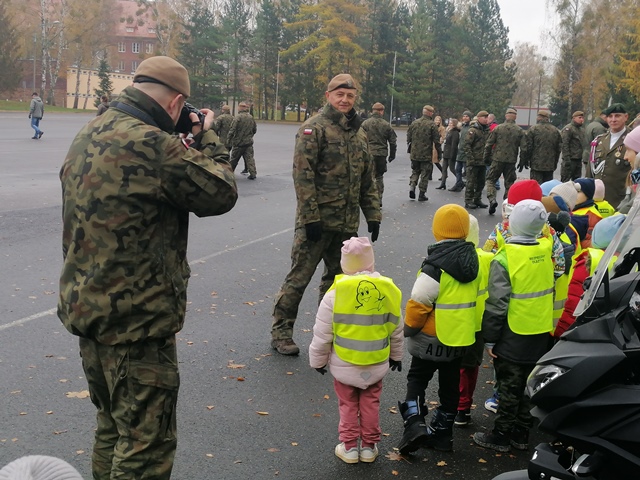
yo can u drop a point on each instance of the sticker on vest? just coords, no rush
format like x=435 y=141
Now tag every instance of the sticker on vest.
x=368 y=296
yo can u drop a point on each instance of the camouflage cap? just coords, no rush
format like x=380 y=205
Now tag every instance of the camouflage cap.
x=512 y=111
x=482 y=113
x=165 y=71
x=226 y=108
x=429 y=108
x=577 y=113
x=615 y=108
x=377 y=106
x=343 y=80
x=543 y=113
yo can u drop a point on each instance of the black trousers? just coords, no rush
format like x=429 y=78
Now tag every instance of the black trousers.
x=420 y=374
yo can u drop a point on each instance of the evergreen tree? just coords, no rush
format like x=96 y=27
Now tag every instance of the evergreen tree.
x=266 y=47
x=105 y=87
x=200 y=52
x=487 y=76
x=10 y=68
x=237 y=36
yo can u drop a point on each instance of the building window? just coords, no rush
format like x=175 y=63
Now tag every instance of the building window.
x=129 y=29
x=120 y=65
x=149 y=47
x=135 y=47
x=134 y=66
x=122 y=47
x=152 y=30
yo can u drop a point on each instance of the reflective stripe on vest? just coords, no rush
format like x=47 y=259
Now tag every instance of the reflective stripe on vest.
x=456 y=311
x=365 y=314
x=531 y=274
x=484 y=259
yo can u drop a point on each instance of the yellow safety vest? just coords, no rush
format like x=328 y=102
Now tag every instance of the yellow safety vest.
x=365 y=314
x=531 y=274
x=596 y=255
x=584 y=210
x=484 y=259
x=605 y=208
x=456 y=311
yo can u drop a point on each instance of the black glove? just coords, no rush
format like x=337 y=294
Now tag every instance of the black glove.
x=314 y=231
x=321 y=370
x=391 y=159
x=29 y=115
x=374 y=230
x=395 y=365
x=559 y=221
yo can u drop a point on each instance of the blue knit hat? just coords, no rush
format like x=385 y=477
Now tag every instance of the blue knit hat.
x=547 y=186
x=605 y=230
x=587 y=186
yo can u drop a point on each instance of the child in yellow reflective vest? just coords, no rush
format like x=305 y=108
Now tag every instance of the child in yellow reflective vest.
x=517 y=320
x=358 y=334
x=604 y=207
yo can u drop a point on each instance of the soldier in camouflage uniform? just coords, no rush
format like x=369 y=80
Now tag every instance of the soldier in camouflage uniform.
x=422 y=137
x=573 y=145
x=599 y=126
x=240 y=138
x=379 y=134
x=474 y=143
x=542 y=152
x=501 y=152
x=333 y=179
x=223 y=125
x=128 y=186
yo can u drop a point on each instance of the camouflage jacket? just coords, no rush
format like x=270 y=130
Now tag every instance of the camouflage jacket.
x=544 y=144
x=474 y=143
x=594 y=129
x=423 y=135
x=333 y=173
x=128 y=188
x=464 y=129
x=379 y=134
x=573 y=142
x=504 y=143
x=242 y=130
x=222 y=127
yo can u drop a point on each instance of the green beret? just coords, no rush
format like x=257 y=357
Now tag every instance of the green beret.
x=615 y=108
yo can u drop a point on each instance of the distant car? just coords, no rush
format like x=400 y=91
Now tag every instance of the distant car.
x=404 y=119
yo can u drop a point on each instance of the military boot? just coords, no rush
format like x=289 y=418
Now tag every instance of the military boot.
x=440 y=431
x=415 y=430
x=422 y=197
x=412 y=194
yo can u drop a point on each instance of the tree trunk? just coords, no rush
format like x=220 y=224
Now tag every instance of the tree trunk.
x=77 y=90
x=88 y=90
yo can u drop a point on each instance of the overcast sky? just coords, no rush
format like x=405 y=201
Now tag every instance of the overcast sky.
x=526 y=19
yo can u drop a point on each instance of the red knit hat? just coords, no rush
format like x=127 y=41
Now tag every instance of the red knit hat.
x=524 y=190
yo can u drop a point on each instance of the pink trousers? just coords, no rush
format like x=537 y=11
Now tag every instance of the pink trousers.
x=354 y=402
x=468 y=380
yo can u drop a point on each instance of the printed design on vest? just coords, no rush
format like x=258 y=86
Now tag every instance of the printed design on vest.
x=368 y=296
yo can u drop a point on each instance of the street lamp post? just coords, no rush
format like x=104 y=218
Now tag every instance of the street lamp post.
x=35 y=54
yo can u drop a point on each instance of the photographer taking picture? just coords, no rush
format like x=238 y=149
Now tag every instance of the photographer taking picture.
x=128 y=186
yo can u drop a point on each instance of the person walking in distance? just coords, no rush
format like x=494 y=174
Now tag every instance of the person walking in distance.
x=36 y=112
x=474 y=143
x=382 y=142
x=333 y=180
x=450 y=152
x=542 y=151
x=501 y=153
x=461 y=159
x=573 y=145
x=422 y=136
x=104 y=105
x=222 y=126
x=240 y=138
x=128 y=187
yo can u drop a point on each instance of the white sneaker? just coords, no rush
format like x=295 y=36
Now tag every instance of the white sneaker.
x=368 y=455
x=347 y=456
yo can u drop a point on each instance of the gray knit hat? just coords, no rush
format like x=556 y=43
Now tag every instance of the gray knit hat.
x=568 y=192
x=39 y=467
x=527 y=218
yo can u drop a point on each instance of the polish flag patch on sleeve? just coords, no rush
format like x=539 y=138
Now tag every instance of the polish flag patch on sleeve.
x=308 y=131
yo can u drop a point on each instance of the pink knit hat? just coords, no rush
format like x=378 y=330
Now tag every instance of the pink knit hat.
x=357 y=255
x=598 y=195
x=632 y=140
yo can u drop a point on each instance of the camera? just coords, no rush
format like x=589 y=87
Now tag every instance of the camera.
x=185 y=124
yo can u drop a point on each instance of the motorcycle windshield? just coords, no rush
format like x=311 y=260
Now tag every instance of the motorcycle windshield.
x=627 y=237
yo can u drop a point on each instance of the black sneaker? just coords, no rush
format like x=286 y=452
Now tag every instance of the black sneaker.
x=494 y=440
x=251 y=177
x=412 y=194
x=463 y=418
x=519 y=438
x=245 y=172
x=40 y=134
x=479 y=204
x=492 y=207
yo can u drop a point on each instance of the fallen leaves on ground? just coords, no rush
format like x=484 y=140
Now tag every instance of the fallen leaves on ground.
x=60 y=432
x=482 y=460
x=394 y=456
x=251 y=304
x=232 y=364
x=210 y=455
x=393 y=410
x=394 y=472
x=262 y=413
x=326 y=397
x=294 y=444
x=273 y=450
x=441 y=463
x=210 y=407
x=80 y=394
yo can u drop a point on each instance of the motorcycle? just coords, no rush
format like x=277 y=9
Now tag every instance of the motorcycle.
x=586 y=389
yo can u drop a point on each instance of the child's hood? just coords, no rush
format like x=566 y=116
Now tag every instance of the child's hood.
x=457 y=257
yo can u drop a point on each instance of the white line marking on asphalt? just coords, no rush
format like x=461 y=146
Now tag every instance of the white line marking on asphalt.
x=52 y=311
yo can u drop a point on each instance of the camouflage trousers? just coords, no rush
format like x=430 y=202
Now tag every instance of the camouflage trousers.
x=245 y=152
x=305 y=257
x=135 y=389
x=570 y=170
x=541 y=176
x=507 y=170
x=475 y=183
x=380 y=164
x=515 y=406
x=420 y=171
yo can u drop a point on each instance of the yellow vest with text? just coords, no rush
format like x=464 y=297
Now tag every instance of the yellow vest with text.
x=530 y=271
x=456 y=311
x=484 y=259
x=605 y=208
x=365 y=314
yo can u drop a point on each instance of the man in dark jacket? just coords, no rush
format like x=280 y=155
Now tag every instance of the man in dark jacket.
x=544 y=144
x=473 y=146
x=128 y=187
x=36 y=112
x=573 y=145
x=450 y=152
x=460 y=159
